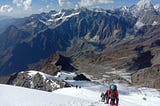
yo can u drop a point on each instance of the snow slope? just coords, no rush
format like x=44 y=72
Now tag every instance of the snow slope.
x=17 y=96
x=85 y=96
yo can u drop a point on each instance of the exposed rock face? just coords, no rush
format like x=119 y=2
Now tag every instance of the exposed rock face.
x=64 y=62
x=143 y=60
x=81 y=77
x=20 y=79
x=146 y=13
x=37 y=81
x=142 y=52
x=4 y=79
x=156 y=43
x=54 y=64
x=148 y=77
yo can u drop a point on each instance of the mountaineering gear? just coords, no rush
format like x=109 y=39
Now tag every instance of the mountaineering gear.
x=113 y=96
x=102 y=97
x=113 y=93
x=112 y=87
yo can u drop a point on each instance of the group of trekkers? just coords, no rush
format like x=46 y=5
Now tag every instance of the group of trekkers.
x=111 y=96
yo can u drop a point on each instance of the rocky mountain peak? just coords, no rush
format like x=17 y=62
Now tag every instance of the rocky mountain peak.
x=157 y=7
x=144 y=4
x=54 y=64
x=36 y=80
x=141 y=7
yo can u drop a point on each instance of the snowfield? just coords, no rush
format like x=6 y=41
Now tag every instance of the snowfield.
x=84 y=96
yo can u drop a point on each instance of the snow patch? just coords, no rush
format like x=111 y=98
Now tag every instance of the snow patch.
x=54 y=15
x=154 y=23
x=139 y=24
x=63 y=17
x=50 y=20
x=157 y=7
x=32 y=73
x=31 y=23
x=125 y=8
x=65 y=76
x=44 y=22
x=95 y=39
x=54 y=84
x=99 y=10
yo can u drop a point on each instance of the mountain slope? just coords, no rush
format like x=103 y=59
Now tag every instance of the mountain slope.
x=146 y=13
x=87 y=96
x=39 y=40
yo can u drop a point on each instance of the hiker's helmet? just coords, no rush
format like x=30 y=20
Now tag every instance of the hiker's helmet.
x=113 y=87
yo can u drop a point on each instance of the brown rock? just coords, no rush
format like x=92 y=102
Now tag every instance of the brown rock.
x=148 y=77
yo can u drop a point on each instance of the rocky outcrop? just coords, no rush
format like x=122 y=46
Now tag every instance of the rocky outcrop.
x=4 y=79
x=81 y=77
x=38 y=81
x=54 y=64
x=148 y=77
x=156 y=43
x=143 y=60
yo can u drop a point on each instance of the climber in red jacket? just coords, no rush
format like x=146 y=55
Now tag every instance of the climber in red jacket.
x=112 y=95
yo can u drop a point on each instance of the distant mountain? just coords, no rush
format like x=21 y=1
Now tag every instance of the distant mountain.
x=37 y=37
x=141 y=6
x=146 y=13
x=5 y=22
x=4 y=17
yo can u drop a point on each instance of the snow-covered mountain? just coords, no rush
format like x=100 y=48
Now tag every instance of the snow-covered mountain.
x=146 y=13
x=85 y=96
x=53 y=18
x=141 y=6
x=144 y=5
x=157 y=7
x=41 y=81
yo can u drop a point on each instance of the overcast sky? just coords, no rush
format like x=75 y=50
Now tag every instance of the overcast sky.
x=20 y=8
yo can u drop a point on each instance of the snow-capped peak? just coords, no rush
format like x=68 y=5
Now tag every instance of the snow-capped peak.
x=124 y=8
x=157 y=7
x=141 y=7
x=58 y=13
x=99 y=10
x=144 y=4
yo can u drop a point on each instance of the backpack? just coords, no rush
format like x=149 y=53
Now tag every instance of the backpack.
x=113 y=92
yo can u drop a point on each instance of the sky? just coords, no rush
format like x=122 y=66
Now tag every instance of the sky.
x=20 y=8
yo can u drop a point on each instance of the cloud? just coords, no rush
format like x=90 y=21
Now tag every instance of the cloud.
x=26 y=4
x=40 y=9
x=85 y=3
x=6 y=8
x=65 y=3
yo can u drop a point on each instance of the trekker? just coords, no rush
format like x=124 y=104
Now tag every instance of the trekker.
x=112 y=95
x=102 y=97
